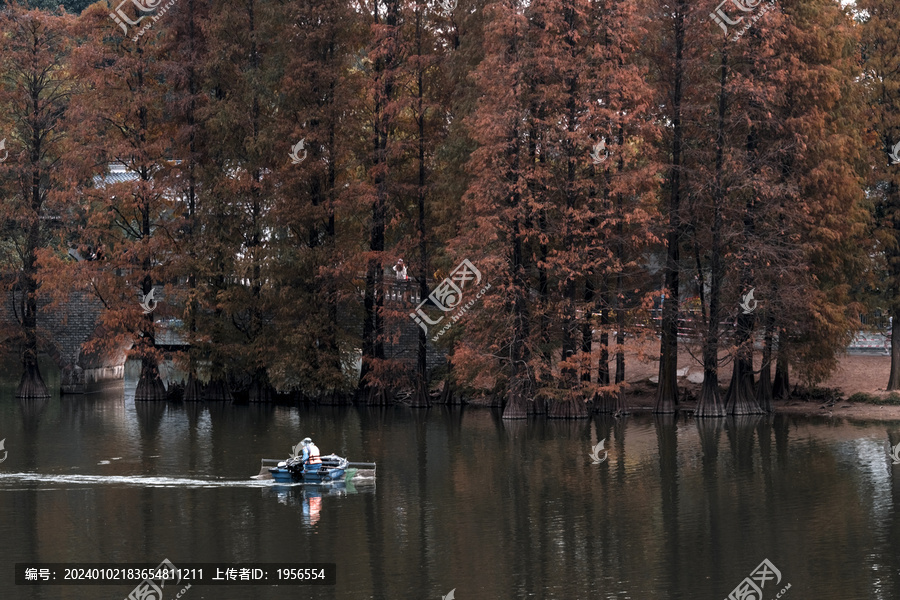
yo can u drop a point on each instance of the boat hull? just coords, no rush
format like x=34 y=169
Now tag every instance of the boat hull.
x=284 y=475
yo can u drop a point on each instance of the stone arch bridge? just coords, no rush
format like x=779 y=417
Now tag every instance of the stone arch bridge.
x=65 y=331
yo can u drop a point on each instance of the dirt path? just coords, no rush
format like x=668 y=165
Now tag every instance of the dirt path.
x=855 y=373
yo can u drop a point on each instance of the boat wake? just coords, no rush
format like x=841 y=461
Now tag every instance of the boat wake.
x=137 y=481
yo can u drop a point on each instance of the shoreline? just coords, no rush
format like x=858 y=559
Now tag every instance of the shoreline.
x=643 y=403
x=856 y=373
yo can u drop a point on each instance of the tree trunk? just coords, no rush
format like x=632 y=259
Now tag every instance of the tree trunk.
x=620 y=405
x=31 y=386
x=764 y=386
x=193 y=389
x=604 y=400
x=420 y=398
x=710 y=402
x=378 y=396
x=781 y=388
x=260 y=388
x=587 y=331
x=611 y=402
x=218 y=390
x=570 y=407
x=373 y=304
x=667 y=392
x=538 y=405
x=741 y=397
x=449 y=395
x=519 y=381
x=894 y=378
x=150 y=387
x=516 y=401
x=568 y=372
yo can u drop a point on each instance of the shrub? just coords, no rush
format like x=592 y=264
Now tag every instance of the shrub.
x=892 y=399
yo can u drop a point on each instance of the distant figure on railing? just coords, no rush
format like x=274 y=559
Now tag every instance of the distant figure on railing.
x=400 y=270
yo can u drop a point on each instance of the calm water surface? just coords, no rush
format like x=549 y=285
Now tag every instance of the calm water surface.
x=680 y=509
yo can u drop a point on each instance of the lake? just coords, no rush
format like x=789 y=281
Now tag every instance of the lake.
x=462 y=501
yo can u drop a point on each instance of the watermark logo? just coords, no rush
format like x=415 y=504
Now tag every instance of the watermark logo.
x=447 y=296
x=5 y=453
x=148 y=304
x=723 y=20
x=295 y=152
x=895 y=454
x=595 y=455
x=598 y=148
x=3 y=148
x=895 y=153
x=448 y=6
x=449 y=596
x=748 y=303
x=121 y=18
x=144 y=7
x=151 y=588
x=751 y=588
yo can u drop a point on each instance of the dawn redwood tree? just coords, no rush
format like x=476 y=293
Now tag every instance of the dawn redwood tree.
x=881 y=59
x=240 y=185
x=460 y=36
x=587 y=97
x=670 y=53
x=823 y=112
x=790 y=147
x=739 y=190
x=35 y=90
x=759 y=210
x=762 y=237
x=122 y=119
x=184 y=38
x=317 y=89
x=495 y=235
x=561 y=93
x=623 y=213
x=710 y=403
x=423 y=110
x=383 y=55
x=420 y=63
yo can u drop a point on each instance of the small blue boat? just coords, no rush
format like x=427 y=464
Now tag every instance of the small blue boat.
x=333 y=469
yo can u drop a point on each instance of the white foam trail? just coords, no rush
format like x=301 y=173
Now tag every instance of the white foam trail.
x=140 y=481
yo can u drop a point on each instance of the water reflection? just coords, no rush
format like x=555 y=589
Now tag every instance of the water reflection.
x=31 y=411
x=682 y=508
x=309 y=498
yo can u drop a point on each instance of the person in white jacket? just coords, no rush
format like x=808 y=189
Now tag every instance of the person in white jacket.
x=400 y=270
